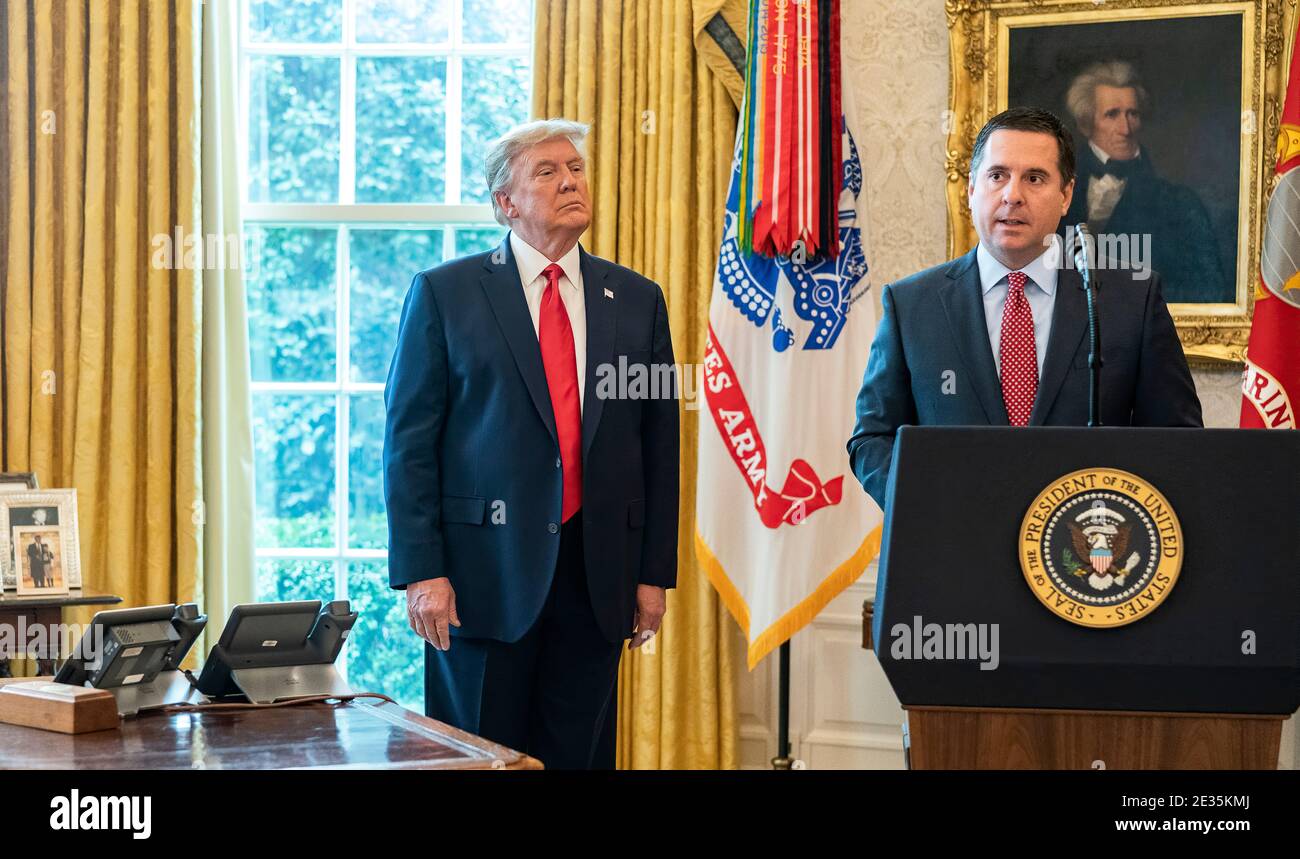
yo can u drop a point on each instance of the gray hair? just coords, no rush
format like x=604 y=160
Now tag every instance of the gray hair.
x=1082 y=95
x=498 y=166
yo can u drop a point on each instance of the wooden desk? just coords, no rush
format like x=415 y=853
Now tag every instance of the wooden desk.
x=364 y=734
x=45 y=610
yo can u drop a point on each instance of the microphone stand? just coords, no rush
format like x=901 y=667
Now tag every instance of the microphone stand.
x=1094 y=329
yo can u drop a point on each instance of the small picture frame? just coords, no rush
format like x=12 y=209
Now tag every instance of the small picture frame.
x=17 y=481
x=51 y=516
x=39 y=559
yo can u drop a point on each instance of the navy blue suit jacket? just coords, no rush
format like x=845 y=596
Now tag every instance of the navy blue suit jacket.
x=472 y=473
x=931 y=363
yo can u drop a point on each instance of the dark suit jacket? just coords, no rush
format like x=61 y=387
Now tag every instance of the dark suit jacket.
x=1183 y=246
x=933 y=322
x=35 y=562
x=472 y=471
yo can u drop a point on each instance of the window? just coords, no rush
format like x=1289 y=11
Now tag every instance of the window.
x=365 y=125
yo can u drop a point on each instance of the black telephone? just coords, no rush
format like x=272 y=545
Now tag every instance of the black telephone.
x=281 y=635
x=129 y=647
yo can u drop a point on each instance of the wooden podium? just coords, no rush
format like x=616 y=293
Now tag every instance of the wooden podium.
x=1203 y=681
x=965 y=738
x=957 y=738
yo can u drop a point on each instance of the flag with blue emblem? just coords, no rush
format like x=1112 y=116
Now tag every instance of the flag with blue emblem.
x=780 y=532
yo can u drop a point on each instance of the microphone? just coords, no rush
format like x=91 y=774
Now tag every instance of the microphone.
x=1083 y=241
x=1081 y=262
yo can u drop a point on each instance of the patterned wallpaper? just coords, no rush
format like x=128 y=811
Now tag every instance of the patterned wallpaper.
x=895 y=66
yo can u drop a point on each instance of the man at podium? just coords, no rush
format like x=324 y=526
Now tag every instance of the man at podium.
x=997 y=337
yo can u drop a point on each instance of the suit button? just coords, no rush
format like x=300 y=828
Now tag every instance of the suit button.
x=558 y=462
x=553 y=528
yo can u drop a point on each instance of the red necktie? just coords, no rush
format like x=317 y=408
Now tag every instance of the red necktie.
x=1019 y=353
x=555 y=336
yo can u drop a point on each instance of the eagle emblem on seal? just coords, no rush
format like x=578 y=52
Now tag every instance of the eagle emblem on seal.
x=1100 y=537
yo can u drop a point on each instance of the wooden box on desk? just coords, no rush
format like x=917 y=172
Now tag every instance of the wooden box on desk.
x=39 y=702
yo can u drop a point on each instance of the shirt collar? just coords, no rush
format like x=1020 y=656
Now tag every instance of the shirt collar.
x=531 y=261
x=1103 y=157
x=993 y=272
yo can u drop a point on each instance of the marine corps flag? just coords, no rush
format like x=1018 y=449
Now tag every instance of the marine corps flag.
x=782 y=525
x=1271 y=381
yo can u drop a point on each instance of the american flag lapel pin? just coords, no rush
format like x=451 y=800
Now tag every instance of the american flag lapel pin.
x=609 y=293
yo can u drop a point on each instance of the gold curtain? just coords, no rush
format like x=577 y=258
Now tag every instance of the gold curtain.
x=100 y=377
x=663 y=128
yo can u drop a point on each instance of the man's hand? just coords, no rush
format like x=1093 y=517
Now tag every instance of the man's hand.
x=651 y=603
x=430 y=607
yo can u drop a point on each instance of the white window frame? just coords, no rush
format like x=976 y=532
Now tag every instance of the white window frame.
x=347 y=213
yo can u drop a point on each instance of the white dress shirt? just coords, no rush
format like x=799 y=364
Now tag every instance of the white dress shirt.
x=1104 y=191
x=1040 y=290
x=531 y=263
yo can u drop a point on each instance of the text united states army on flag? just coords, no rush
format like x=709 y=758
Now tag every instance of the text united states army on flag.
x=780 y=533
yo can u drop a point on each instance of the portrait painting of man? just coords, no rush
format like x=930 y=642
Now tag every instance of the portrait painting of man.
x=1155 y=109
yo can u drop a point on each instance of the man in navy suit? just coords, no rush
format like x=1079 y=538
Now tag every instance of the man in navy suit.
x=532 y=519
x=997 y=337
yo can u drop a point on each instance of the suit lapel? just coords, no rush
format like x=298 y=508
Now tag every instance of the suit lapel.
x=506 y=296
x=963 y=302
x=602 y=324
x=1069 y=323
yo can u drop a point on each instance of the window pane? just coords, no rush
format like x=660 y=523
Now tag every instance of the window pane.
x=295 y=20
x=403 y=20
x=401 y=129
x=497 y=20
x=478 y=240
x=383 y=263
x=367 y=522
x=293 y=129
x=496 y=94
x=293 y=437
x=291 y=303
x=384 y=654
x=284 y=581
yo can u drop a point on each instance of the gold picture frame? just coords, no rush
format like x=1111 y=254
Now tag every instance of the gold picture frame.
x=979 y=39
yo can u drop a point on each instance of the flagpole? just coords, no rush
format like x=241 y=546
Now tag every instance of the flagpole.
x=782 y=760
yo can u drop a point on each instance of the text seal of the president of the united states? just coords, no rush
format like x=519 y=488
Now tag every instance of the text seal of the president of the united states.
x=1101 y=547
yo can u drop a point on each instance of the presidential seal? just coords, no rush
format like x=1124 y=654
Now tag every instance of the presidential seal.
x=1101 y=547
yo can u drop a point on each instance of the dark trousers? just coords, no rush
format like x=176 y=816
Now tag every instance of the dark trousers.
x=551 y=692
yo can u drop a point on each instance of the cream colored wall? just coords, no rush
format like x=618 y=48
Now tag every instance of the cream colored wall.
x=895 y=67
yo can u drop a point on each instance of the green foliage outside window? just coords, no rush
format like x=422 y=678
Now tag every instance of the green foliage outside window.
x=295 y=123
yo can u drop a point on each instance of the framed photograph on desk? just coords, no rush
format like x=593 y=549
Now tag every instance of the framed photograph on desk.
x=42 y=525
x=39 y=559
x=17 y=481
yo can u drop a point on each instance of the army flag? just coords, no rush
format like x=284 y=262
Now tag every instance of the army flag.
x=782 y=526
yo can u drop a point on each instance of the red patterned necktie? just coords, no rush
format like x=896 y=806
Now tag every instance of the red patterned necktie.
x=1019 y=353
x=555 y=336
